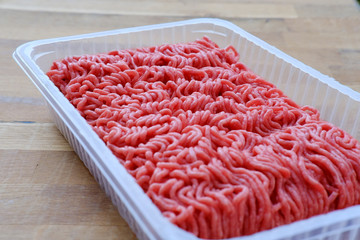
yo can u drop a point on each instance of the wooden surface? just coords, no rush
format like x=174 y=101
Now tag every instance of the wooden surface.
x=45 y=190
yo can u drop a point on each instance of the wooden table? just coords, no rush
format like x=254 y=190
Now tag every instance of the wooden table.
x=45 y=190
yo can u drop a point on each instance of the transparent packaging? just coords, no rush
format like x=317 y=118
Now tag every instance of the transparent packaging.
x=337 y=104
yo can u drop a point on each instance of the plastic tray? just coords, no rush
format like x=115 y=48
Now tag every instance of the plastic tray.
x=337 y=104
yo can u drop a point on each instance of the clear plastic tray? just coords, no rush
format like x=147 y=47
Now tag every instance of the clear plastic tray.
x=337 y=104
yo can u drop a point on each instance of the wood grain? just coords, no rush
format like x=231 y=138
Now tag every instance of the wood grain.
x=32 y=136
x=45 y=190
x=160 y=8
x=61 y=232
